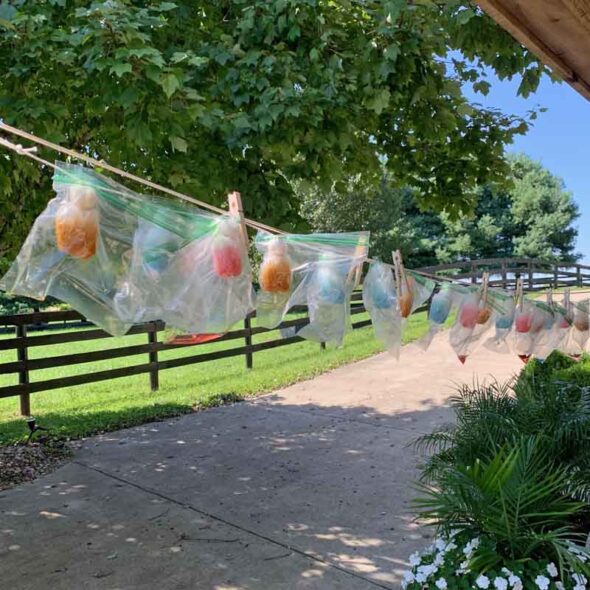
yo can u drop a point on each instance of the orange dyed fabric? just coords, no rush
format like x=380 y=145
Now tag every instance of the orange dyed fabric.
x=275 y=275
x=76 y=231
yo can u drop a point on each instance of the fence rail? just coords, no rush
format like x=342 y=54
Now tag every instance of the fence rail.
x=504 y=272
x=60 y=324
x=23 y=341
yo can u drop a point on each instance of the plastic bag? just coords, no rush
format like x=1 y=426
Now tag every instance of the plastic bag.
x=478 y=311
x=78 y=249
x=503 y=322
x=380 y=299
x=207 y=285
x=533 y=333
x=575 y=341
x=322 y=275
x=441 y=305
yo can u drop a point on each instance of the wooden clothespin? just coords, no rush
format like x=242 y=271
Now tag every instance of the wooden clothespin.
x=519 y=293
x=354 y=274
x=234 y=200
x=397 y=274
x=485 y=281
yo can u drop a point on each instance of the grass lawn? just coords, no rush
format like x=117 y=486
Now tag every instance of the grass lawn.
x=109 y=405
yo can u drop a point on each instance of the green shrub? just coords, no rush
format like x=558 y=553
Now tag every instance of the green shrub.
x=514 y=498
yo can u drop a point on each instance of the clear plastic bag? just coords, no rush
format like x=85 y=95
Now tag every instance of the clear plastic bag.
x=575 y=342
x=533 y=333
x=441 y=306
x=381 y=301
x=207 y=286
x=503 y=322
x=316 y=270
x=478 y=311
x=78 y=249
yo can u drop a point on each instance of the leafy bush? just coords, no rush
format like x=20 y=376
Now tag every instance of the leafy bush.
x=491 y=416
x=514 y=498
x=514 y=470
x=445 y=565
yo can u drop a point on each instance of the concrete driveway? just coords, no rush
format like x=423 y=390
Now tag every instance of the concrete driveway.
x=309 y=487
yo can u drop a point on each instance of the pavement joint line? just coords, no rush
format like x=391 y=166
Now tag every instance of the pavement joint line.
x=342 y=419
x=230 y=524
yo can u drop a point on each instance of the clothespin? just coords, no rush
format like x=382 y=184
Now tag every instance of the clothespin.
x=566 y=300
x=485 y=281
x=234 y=200
x=396 y=256
x=354 y=274
x=550 y=297
x=519 y=294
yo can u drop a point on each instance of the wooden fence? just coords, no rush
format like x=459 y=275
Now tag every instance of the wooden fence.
x=504 y=272
x=25 y=325
x=60 y=327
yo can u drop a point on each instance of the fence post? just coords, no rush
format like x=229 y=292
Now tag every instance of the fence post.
x=248 y=341
x=473 y=273
x=530 y=271
x=579 y=277
x=555 y=276
x=23 y=375
x=504 y=276
x=153 y=356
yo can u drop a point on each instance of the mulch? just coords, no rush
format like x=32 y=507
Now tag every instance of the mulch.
x=23 y=462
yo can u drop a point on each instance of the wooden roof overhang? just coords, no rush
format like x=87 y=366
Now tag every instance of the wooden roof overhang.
x=556 y=31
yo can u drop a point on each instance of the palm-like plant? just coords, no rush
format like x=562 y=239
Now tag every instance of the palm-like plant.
x=515 y=497
x=489 y=416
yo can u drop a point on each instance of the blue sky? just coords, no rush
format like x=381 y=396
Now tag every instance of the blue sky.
x=560 y=139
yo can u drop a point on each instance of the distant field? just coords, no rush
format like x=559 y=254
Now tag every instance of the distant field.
x=109 y=405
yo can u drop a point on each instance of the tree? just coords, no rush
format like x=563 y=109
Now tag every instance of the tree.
x=258 y=94
x=533 y=219
x=389 y=213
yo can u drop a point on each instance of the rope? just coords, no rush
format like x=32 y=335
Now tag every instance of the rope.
x=102 y=164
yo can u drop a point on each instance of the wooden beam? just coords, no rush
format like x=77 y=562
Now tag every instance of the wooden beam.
x=505 y=13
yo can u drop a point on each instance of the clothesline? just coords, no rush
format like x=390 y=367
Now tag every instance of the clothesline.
x=29 y=152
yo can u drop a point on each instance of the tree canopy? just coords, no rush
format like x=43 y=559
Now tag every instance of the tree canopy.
x=258 y=95
x=533 y=218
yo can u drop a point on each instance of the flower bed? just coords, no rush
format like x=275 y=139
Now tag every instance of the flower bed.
x=446 y=565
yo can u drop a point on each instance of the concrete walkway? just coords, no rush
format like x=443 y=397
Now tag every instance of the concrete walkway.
x=306 y=488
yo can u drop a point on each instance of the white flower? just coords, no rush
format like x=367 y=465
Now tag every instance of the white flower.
x=441 y=584
x=559 y=586
x=579 y=579
x=440 y=544
x=482 y=582
x=439 y=559
x=506 y=571
x=415 y=559
x=542 y=582
x=579 y=587
x=514 y=580
x=424 y=572
x=451 y=545
x=500 y=583
x=552 y=570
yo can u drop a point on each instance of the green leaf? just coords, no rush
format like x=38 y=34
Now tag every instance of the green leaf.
x=169 y=83
x=120 y=69
x=179 y=144
x=380 y=101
